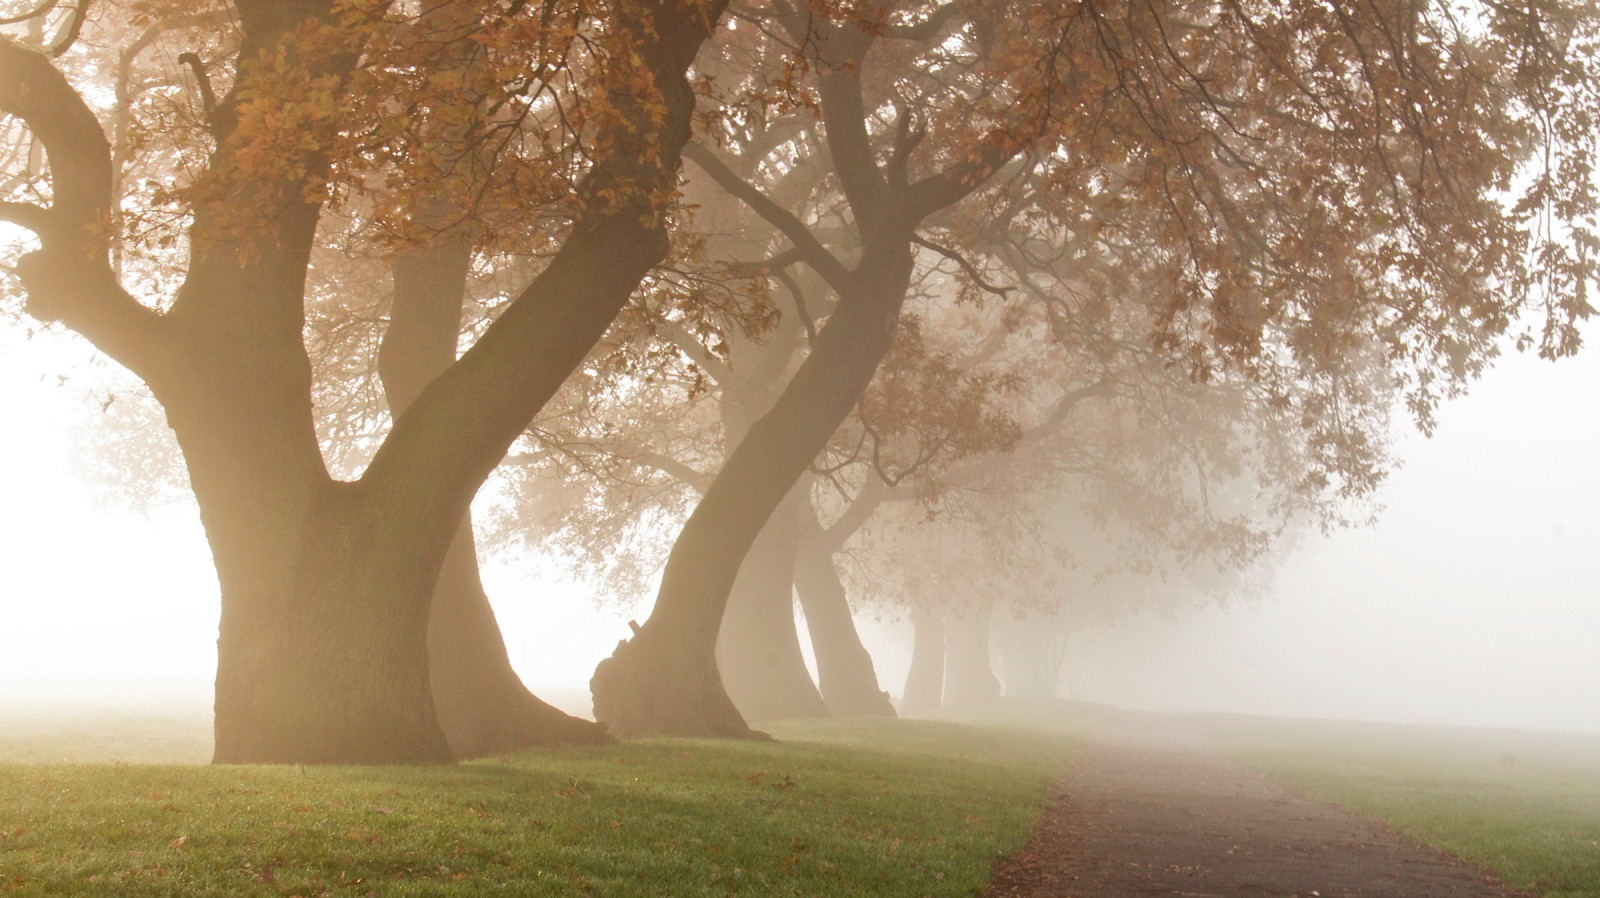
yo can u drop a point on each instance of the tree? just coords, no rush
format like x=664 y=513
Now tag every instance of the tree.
x=327 y=584
x=1288 y=189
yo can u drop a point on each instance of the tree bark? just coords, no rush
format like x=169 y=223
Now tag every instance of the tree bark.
x=326 y=586
x=758 y=648
x=665 y=680
x=482 y=704
x=845 y=674
x=322 y=653
x=969 y=667
x=925 y=680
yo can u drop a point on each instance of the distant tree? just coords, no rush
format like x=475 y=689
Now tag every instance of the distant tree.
x=327 y=584
x=1290 y=189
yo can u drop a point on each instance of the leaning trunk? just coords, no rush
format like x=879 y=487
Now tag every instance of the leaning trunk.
x=845 y=673
x=482 y=704
x=758 y=648
x=925 y=680
x=665 y=680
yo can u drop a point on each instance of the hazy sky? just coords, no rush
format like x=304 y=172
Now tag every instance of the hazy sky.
x=1475 y=600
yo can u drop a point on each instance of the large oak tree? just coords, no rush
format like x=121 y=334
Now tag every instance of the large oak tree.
x=326 y=584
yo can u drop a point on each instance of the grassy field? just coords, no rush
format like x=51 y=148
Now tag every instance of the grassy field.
x=871 y=808
x=1525 y=805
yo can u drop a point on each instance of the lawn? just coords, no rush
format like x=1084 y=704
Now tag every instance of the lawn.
x=865 y=807
x=1525 y=805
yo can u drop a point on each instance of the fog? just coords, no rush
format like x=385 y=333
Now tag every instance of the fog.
x=1473 y=601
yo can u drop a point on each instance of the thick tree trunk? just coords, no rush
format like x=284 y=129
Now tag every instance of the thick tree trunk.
x=322 y=651
x=665 y=680
x=326 y=587
x=845 y=674
x=758 y=648
x=969 y=668
x=925 y=680
x=482 y=704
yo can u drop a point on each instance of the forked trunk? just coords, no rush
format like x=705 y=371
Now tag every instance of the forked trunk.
x=845 y=674
x=925 y=680
x=323 y=660
x=758 y=648
x=482 y=704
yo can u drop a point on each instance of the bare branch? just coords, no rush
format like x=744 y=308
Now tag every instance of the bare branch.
x=683 y=473
x=40 y=10
x=69 y=34
x=966 y=266
x=815 y=254
x=959 y=180
x=208 y=98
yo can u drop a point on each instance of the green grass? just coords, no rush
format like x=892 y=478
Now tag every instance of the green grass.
x=872 y=808
x=1524 y=805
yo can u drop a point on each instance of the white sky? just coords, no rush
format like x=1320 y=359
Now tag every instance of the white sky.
x=1475 y=600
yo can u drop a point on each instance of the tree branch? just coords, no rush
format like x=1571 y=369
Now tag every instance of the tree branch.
x=34 y=218
x=957 y=181
x=866 y=502
x=966 y=266
x=670 y=466
x=766 y=267
x=69 y=279
x=815 y=254
x=1063 y=408
x=69 y=34
x=844 y=116
x=40 y=10
x=693 y=348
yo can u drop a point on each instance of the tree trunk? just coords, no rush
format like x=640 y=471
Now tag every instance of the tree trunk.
x=925 y=680
x=969 y=670
x=1032 y=655
x=758 y=648
x=845 y=674
x=665 y=680
x=326 y=587
x=481 y=702
x=322 y=649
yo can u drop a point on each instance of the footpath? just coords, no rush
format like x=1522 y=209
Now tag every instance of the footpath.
x=1153 y=809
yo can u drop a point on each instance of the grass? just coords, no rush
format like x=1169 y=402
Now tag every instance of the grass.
x=1524 y=805
x=91 y=737
x=866 y=807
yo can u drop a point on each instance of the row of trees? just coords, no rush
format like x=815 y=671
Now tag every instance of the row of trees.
x=954 y=305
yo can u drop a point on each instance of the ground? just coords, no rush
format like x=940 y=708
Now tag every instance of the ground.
x=1153 y=808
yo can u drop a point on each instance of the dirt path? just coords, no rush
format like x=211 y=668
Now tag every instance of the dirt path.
x=1153 y=809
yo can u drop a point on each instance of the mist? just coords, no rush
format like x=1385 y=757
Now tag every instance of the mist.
x=1472 y=601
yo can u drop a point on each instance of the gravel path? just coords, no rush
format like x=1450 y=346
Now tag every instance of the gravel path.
x=1153 y=809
